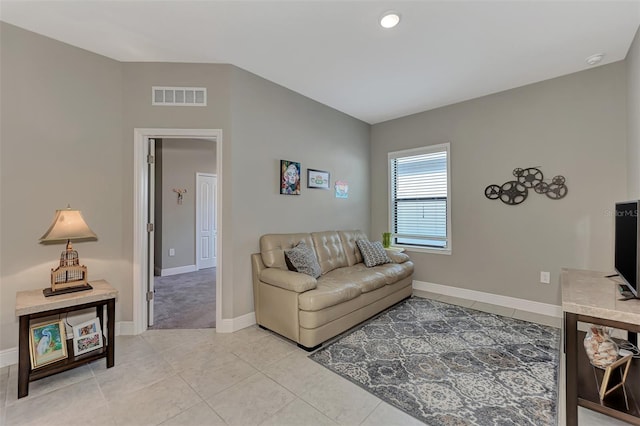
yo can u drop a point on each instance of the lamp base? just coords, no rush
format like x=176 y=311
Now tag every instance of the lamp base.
x=48 y=292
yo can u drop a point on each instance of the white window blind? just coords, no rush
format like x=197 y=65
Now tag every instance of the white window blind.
x=420 y=197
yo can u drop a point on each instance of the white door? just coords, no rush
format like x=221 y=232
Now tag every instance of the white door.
x=206 y=232
x=150 y=230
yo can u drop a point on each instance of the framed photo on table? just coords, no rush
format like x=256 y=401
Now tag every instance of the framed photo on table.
x=87 y=337
x=47 y=343
x=318 y=179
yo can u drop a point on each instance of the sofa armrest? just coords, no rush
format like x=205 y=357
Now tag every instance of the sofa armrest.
x=397 y=257
x=288 y=280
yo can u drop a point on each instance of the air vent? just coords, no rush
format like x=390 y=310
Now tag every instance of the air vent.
x=179 y=96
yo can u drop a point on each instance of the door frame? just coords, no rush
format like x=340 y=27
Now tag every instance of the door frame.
x=140 y=208
x=199 y=217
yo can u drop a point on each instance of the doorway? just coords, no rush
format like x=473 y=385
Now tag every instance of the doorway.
x=184 y=233
x=143 y=226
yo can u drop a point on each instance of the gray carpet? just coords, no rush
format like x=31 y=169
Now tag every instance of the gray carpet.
x=185 y=300
x=449 y=365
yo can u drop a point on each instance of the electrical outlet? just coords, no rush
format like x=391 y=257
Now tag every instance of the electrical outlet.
x=545 y=277
x=172 y=252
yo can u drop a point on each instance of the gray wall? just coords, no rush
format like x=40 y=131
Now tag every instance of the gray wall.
x=271 y=123
x=181 y=160
x=573 y=126
x=61 y=102
x=138 y=78
x=61 y=142
x=633 y=118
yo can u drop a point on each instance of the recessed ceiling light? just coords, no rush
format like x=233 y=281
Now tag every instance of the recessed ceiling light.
x=389 y=19
x=595 y=59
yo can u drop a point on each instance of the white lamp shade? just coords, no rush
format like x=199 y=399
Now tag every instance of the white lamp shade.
x=68 y=225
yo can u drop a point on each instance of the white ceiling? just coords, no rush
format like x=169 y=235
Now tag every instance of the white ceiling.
x=335 y=52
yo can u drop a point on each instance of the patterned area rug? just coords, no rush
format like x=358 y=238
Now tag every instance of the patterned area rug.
x=449 y=365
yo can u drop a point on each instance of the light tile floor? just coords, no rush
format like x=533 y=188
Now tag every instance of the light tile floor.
x=198 y=377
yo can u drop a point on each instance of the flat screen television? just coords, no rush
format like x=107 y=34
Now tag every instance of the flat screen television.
x=627 y=255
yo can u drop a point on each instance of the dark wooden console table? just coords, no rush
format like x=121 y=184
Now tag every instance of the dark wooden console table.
x=587 y=296
x=31 y=305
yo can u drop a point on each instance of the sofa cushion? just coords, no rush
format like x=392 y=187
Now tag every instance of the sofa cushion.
x=288 y=280
x=350 y=247
x=365 y=278
x=272 y=247
x=329 y=250
x=329 y=292
x=302 y=259
x=397 y=257
x=394 y=272
x=373 y=253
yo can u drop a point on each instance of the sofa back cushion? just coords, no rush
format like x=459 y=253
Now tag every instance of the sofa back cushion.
x=272 y=247
x=329 y=250
x=351 y=250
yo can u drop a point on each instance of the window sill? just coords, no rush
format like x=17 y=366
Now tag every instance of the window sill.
x=446 y=251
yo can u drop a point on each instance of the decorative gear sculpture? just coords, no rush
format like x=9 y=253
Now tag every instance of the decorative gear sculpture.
x=530 y=177
x=513 y=193
x=492 y=192
x=516 y=191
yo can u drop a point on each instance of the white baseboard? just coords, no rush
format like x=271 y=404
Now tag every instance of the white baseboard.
x=125 y=328
x=495 y=299
x=237 y=323
x=10 y=356
x=178 y=270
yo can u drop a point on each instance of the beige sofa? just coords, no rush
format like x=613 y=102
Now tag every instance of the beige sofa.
x=310 y=311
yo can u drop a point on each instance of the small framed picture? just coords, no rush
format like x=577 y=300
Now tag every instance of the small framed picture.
x=289 y=177
x=318 y=179
x=47 y=343
x=87 y=337
x=611 y=381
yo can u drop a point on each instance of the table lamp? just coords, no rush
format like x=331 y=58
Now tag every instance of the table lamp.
x=70 y=276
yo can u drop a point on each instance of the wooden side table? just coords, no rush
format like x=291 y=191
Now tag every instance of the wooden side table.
x=31 y=305
x=587 y=296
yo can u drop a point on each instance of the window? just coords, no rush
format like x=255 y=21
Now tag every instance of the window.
x=420 y=193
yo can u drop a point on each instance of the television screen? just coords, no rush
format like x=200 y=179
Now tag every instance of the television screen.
x=626 y=245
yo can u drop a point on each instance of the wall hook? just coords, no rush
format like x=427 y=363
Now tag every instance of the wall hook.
x=180 y=192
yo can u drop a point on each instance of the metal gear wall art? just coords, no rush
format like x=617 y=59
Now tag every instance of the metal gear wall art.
x=514 y=192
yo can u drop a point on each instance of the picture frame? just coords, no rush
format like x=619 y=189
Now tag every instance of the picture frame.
x=47 y=343
x=87 y=337
x=318 y=179
x=290 y=172
x=342 y=189
x=609 y=383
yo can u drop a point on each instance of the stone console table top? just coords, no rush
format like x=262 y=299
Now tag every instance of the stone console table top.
x=33 y=301
x=590 y=293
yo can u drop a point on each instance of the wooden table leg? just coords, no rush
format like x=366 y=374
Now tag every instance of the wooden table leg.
x=111 y=337
x=100 y=314
x=571 y=367
x=24 y=361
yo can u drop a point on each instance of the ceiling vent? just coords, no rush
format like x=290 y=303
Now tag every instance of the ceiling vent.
x=179 y=96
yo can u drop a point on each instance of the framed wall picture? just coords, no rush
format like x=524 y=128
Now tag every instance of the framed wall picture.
x=47 y=343
x=342 y=189
x=318 y=179
x=289 y=177
x=87 y=337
